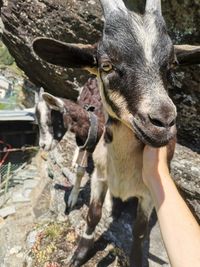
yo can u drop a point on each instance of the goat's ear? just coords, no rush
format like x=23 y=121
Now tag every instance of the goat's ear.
x=187 y=54
x=38 y=95
x=65 y=54
x=53 y=102
x=41 y=90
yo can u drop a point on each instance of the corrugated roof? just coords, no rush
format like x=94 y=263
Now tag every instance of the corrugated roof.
x=18 y=115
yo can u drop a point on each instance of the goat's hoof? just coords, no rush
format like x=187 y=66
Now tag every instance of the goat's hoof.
x=81 y=253
x=74 y=262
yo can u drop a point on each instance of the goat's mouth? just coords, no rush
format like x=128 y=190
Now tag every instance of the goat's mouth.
x=152 y=136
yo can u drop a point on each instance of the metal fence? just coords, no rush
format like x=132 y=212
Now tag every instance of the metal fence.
x=12 y=160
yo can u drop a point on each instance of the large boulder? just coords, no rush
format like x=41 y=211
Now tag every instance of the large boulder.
x=70 y=21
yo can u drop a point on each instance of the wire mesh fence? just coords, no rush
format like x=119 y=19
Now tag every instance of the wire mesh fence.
x=12 y=160
x=5 y=168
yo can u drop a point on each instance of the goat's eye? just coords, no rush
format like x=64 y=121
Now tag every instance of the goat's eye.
x=106 y=66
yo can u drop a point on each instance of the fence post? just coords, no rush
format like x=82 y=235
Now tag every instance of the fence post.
x=7 y=177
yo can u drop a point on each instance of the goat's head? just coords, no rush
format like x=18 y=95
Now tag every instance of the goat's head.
x=50 y=120
x=134 y=58
x=132 y=62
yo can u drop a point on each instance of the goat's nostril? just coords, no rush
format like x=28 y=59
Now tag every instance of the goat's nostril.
x=156 y=122
x=159 y=122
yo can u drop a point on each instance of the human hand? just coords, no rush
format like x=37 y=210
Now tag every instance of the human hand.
x=154 y=164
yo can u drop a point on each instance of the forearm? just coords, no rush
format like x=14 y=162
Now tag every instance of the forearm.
x=180 y=231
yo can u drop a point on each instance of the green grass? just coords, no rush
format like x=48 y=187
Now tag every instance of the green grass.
x=5 y=57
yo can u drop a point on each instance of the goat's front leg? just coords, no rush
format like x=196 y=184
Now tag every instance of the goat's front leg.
x=140 y=230
x=80 y=171
x=80 y=160
x=98 y=192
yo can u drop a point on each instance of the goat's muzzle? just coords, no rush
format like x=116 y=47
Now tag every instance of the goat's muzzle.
x=155 y=128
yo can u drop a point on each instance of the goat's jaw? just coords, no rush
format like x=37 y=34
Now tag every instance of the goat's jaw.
x=146 y=133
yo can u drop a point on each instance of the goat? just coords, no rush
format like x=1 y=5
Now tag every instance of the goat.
x=84 y=118
x=132 y=62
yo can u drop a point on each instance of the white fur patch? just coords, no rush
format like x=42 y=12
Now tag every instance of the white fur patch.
x=119 y=164
x=53 y=102
x=86 y=236
x=45 y=136
x=76 y=153
x=146 y=35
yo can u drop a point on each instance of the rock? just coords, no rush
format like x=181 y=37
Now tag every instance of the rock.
x=57 y=158
x=186 y=172
x=30 y=184
x=14 y=229
x=68 y=174
x=4 y=212
x=20 y=197
x=15 y=250
x=69 y=21
x=27 y=192
x=44 y=155
x=31 y=238
x=40 y=197
x=50 y=173
x=2 y=222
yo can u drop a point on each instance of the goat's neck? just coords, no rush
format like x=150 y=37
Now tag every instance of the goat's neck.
x=76 y=120
x=125 y=151
x=123 y=138
x=118 y=158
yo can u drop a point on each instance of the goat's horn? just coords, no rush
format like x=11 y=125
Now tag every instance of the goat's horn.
x=111 y=5
x=187 y=54
x=153 y=5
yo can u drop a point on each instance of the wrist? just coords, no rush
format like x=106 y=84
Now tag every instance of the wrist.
x=160 y=187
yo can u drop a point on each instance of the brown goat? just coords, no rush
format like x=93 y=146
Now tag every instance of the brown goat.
x=85 y=119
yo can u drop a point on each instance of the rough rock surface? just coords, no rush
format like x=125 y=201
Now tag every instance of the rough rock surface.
x=29 y=185
x=68 y=21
